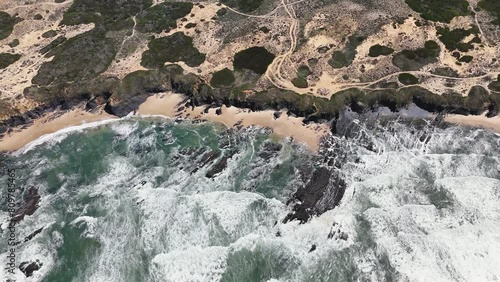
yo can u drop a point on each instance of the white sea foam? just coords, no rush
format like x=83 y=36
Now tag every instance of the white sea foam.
x=194 y=264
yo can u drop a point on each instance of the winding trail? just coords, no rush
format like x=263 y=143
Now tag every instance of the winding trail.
x=274 y=70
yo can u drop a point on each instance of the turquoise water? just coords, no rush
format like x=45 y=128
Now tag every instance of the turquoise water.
x=130 y=201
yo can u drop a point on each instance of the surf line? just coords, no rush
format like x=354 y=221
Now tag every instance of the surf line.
x=11 y=227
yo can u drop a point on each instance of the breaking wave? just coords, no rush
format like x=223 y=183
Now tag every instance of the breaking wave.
x=158 y=200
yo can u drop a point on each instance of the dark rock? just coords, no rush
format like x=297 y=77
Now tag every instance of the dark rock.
x=218 y=111
x=28 y=267
x=323 y=192
x=32 y=235
x=219 y=166
x=208 y=157
x=269 y=149
x=277 y=115
x=313 y=248
x=30 y=205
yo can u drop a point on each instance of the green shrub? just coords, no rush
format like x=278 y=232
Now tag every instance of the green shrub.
x=440 y=11
x=173 y=48
x=300 y=82
x=379 y=50
x=7 y=24
x=162 y=17
x=222 y=78
x=7 y=59
x=256 y=59
x=407 y=79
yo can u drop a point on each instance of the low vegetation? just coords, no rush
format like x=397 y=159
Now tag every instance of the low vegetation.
x=256 y=59
x=162 y=17
x=245 y=6
x=222 y=78
x=345 y=57
x=107 y=12
x=173 y=48
x=412 y=60
x=7 y=59
x=7 y=24
x=82 y=57
x=407 y=79
x=452 y=39
x=493 y=7
x=440 y=11
x=380 y=50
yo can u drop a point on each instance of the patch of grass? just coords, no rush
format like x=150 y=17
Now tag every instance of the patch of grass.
x=7 y=59
x=173 y=48
x=380 y=50
x=13 y=43
x=412 y=60
x=244 y=6
x=300 y=82
x=102 y=12
x=162 y=17
x=49 y=34
x=221 y=12
x=345 y=57
x=338 y=60
x=494 y=86
x=452 y=39
x=440 y=11
x=256 y=59
x=445 y=71
x=7 y=24
x=493 y=7
x=303 y=71
x=407 y=79
x=222 y=78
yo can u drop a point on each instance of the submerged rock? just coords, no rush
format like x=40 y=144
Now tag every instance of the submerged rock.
x=219 y=166
x=30 y=205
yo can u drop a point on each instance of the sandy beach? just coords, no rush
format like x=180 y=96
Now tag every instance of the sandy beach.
x=167 y=104
x=170 y=105
x=476 y=121
x=46 y=125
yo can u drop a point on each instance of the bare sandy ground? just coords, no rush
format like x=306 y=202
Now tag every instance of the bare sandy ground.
x=476 y=121
x=46 y=125
x=166 y=104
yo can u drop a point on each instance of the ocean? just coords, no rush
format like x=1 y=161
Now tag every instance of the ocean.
x=153 y=199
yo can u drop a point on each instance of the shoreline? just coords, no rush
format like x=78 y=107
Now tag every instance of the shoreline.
x=285 y=126
x=49 y=124
x=170 y=105
x=165 y=104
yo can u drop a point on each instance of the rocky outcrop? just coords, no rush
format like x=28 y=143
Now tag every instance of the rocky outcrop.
x=323 y=192
x=28 y=267
x=219 y=166
x=29 y=205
